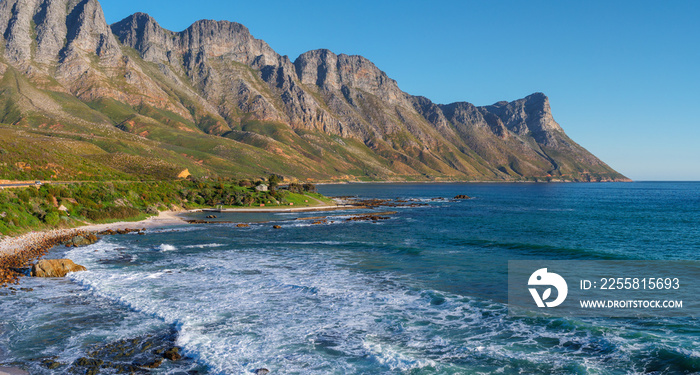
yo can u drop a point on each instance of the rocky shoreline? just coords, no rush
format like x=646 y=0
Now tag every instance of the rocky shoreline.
x=26 y=260
x=19 y=254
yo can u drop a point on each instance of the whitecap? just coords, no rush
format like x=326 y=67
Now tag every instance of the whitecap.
x=204 y=246
x=165 y=247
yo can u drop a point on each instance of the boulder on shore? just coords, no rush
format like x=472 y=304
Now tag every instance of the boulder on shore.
x=55 y=268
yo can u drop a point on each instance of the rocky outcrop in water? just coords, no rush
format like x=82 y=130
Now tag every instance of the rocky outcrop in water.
x=172 y=354
x=82 y=240
x=131 y=356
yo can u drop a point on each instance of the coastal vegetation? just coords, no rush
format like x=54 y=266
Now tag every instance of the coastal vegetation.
x=56 y=206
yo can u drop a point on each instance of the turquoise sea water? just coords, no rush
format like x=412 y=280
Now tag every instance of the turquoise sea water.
x=421 y=293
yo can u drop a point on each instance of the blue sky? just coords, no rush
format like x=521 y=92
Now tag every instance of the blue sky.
x=623 y=77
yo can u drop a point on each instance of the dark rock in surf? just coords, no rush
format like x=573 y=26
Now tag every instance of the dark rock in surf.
x=155 y=364
x=92 y=364
x=372 y=218
x=172 y=354
x=51 y=364
x=82 y=240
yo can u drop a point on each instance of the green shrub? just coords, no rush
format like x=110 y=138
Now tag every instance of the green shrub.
x=52 y=218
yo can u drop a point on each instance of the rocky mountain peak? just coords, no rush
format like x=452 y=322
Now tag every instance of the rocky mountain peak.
x=141 y=32
x=207 y=38
x=463 y=113
x=47 y=31
x=219 y=38
x=530 y=115
x=329 y=71
x=88 y=29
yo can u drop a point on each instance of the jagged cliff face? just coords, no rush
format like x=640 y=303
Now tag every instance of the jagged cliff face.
x=46 y=31
x=214 y=89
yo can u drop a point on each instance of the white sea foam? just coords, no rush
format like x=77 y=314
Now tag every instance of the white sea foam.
x=204 y=246
x=166 y=247
x=235 y=323
x=298 y=310
x=89 y=255
x=392 y=357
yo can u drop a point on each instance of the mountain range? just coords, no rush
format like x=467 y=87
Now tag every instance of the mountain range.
x=82 y=99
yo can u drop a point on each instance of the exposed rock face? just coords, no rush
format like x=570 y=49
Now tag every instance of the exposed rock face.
x=67 y=46
x=55 y=268
x=214 y=55
x=63 y=30
x=324 y=114
x=529 y=115
x=205 y=38
x=333 y=72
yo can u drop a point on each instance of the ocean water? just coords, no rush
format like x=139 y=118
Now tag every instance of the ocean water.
x=421 y=293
